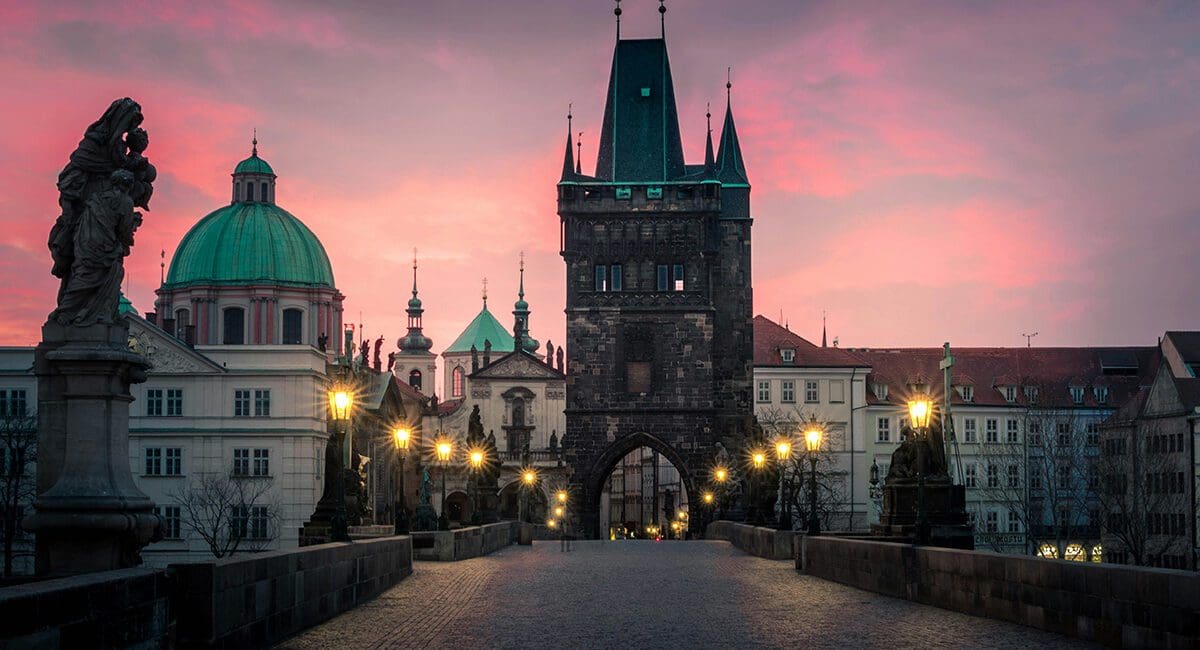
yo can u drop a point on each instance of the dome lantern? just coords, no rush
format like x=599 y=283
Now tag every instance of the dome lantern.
x=253 y=179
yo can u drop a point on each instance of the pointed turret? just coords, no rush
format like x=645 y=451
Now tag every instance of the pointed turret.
x=415 y=342
x=639 y=139
x=521 y=316
x=730 y=167
x=568 y=170
x=710 y=163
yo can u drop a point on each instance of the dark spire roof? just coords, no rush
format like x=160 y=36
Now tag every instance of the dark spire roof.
x=568 y=170
x=639 y=139
x=415 y=342
x=730 y=168
x=710 y=164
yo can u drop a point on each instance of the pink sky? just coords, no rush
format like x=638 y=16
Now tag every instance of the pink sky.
x=924 y=172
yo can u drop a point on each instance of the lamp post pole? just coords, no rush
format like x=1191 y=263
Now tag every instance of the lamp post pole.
x=759 y=459
x=444 y=450
x=920 y=410
x=341 y=405
x=812 y=443
x=402 y=437
x=783 y=453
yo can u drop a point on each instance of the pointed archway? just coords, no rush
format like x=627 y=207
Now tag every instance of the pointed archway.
x=593 y=484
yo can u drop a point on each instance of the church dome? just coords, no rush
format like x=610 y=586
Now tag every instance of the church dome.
x=253 y=165
x=482 y=329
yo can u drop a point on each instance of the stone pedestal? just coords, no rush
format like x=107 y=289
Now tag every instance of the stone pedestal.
x=89 y=515
x=945 y=508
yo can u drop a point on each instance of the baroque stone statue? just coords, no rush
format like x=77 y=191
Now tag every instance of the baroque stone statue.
x=106 y=178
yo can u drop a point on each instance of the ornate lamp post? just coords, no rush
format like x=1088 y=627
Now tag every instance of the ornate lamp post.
x=528 y=481
x=444 y=450
x=783 y=453
x=812 y=444
x=721 y=478
x=402 y=436
x=758 y=460
x=919 y=411
x=341 y=406
x=475 y=459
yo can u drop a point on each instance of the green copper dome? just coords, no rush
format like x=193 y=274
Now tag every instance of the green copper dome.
x=253 y=165
x=250 y=243
x=485 y=327
x=124 y=306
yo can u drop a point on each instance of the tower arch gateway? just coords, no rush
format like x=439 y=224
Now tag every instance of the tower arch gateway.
x=659 y=315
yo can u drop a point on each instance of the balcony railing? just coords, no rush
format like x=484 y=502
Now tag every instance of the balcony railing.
x=535 y=456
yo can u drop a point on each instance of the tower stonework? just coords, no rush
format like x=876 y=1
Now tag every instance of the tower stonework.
x=659 y=303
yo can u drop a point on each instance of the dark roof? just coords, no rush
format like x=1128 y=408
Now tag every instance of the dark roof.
x=1188 y=344
x=1052 y=370
x=1189 y=392
x=770 y=338
x=730 y=166
x=639 y=139
x=449 y=406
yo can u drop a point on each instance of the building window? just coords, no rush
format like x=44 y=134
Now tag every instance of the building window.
x=1101 y=393
x=153 y=461
x=174 y=402
x=235 y=326
x=764 y=391
x=992 y=522
x=250 y=191
x=154 y=402
x=972 y=476
x=967 y=392
x=881 y=391
x=171 y=520
x=601 y=277
x=1014 y=476
x=1077 y=394
x=293 y=327
x=1035 y=477
x=262 y=403
x=991 y=430
x=1035 y=433
x=262 y=462
x=241 y=403
x=788 y=391
x=993 y=476
x=456 y=382
x=617 y=277
x=788 y=355
x=1092 y=431
x=1014 y=522
x=263 y=192
x=414 y=378
x=241 y=462
x=1012 y=434
x=174 y=458
x=249 y=523
x=812 y=394
x=883 y=430
x=663 y=279
x=677 y=277
x=1064 y=434
x=970 y=430
x=1064 y=477
x=1010 y=394
x=183 y=318
x=639 y=358
x=837 y=391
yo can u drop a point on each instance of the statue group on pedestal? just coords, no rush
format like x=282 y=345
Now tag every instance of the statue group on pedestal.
x=107 y=177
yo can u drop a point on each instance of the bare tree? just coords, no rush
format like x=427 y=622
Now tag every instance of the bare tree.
x=230 y=513
x=18 y=487
x=832 y=486
x=1144 y=493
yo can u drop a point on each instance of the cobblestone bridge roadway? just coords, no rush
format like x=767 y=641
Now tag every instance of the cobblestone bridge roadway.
x=639 y=594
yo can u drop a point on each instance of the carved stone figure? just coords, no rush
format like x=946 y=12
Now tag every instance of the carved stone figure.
x=365 y=352
x=553 y=441
x=378 y=354
x=474 y=359
x=391 y=361
x=322 y=342
x=425 y=518
x=549 y=353
x=559 y=359
x=475 y=425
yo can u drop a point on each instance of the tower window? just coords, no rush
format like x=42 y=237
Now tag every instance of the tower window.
x=235 y=326
x=677 y=277
x=615 y=277
x=182 y=320
x=456 y=382
x=639 y=357
x=601 y=277
x=663 y=279
x=414 y=379
x=263 y=193
x=293 y=326
x=249 y=191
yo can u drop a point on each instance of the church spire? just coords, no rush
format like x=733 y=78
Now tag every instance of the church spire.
x=521 y=338
x=710 y=163
x=415 y=342
x=824 y=343
x=254 y=143
x=568 y=159
x=730 y=168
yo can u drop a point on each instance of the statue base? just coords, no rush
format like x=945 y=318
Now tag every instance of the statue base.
x=945 y=513
x=89 y=514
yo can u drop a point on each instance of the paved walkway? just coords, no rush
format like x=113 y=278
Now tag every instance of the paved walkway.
x=639 y=594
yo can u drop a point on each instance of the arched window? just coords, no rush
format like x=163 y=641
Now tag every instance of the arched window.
x=235 y=326
x=250 y=191
x=293 y=326
x=183 y=318
x=263 y=193
x=414 y=379
x=456 y=382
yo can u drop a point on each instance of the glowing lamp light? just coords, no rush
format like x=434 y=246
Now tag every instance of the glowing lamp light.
x=529 y=477
x=708 y=498
x=682 y=515
x=340 y=403
x=476 y=459
x=721 y=474
x=783 y=449
x=550 y=523
x=562 y=496
x=759 y=459
x=919 y=412
x=558 y=511
x=402 y=437
x=812 y=439
x=444 y=450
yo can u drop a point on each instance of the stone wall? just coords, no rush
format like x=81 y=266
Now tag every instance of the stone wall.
x=128 y=607
x=756 y=540
x=463 y=543
x=257 y=600
x=1111 y=604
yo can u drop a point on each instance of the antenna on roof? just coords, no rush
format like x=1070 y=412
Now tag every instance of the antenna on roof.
x=1029 y=339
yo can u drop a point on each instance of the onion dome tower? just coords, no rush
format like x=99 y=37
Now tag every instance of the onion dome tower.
x=415 y=364
x=251 y=273
x=521 y=317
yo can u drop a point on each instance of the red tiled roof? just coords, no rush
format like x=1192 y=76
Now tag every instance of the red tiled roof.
x=449 y=406
x=410 y=391
x=771 y=337
x=1052 y=370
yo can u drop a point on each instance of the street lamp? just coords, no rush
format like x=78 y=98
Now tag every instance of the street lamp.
x=812 y=444
x=758 y=459
x=919 y=411
x=402 y=436
x=475 y=458
x=444 y=450
x=721 y=478
x=528 y=480
x=783 y=453
x=341 y=406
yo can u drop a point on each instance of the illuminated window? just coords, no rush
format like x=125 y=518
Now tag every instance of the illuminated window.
x=414 y=379
x=456 y=382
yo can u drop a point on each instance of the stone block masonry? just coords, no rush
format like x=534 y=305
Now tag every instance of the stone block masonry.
x=769 y=543
x=1131 y=607
x=463 y=543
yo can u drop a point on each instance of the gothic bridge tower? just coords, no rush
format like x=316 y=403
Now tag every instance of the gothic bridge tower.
x=659 y=304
